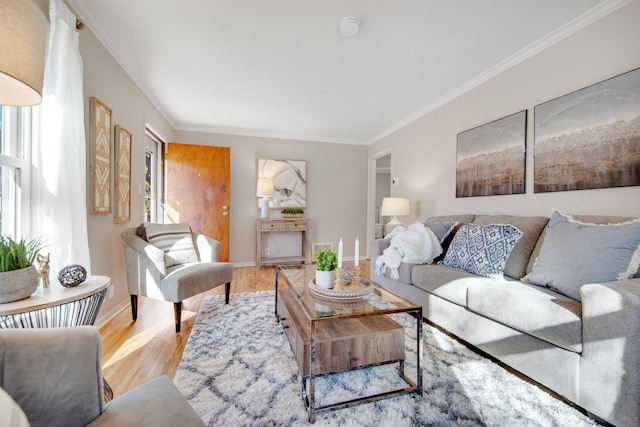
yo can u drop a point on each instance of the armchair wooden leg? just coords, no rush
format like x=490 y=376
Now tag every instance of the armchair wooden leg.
x=177 y=310
x=227 y=290
x=134 y=307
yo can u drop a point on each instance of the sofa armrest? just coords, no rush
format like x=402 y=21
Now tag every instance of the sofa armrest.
x=208 y=248
x=53 y=374
x=147 y=251
x=610 y=358
x=156 y=403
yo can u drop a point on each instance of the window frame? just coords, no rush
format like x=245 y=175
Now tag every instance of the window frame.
x=19 y=132
x=154 y=144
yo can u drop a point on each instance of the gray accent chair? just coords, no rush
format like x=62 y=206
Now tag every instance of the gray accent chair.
x=149 y=276
x=55 y=377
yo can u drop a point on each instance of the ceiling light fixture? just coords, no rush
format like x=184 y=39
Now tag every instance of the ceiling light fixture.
x=350 y=26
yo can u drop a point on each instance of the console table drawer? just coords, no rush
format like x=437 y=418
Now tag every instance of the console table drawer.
x=295 y=224
x=272 y=225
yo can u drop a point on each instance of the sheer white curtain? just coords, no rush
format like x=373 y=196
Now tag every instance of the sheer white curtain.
x=61 y=158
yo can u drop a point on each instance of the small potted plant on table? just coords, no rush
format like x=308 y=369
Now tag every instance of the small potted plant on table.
x=18 y=276
x=326 y=262
x=292 y=213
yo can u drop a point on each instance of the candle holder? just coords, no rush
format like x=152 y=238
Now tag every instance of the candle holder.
x=339 y=284
x=355 y=280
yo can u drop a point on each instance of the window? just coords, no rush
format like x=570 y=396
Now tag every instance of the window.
x=15 y=141
x=152 y=176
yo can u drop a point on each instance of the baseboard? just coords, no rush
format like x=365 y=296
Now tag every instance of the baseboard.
x=103 y=319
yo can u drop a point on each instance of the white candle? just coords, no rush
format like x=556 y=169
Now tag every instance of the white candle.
x=357 y=260
x=340 y=253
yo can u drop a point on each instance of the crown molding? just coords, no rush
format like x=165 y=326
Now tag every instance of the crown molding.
x=582 y=21
x=92 y=23
x=573 y=26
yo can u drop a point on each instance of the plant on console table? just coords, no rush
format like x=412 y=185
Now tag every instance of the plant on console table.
x=326 y=262
x=292 y=213
x=18 y=276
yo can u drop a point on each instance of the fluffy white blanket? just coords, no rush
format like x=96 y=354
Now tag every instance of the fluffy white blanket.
x=416 y=244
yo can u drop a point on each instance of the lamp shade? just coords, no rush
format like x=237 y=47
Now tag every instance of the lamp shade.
x=265 y=187
x=23 y=40
x=392 y=206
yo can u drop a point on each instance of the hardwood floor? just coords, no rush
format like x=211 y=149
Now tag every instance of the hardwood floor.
x=136 y=352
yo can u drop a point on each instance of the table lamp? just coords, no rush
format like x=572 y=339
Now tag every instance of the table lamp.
x=394 y=206
x=265 y=190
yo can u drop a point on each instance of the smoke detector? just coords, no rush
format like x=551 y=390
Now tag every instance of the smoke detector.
x=349 y=26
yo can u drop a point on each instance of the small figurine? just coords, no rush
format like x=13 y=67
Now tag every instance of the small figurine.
x=43 y=269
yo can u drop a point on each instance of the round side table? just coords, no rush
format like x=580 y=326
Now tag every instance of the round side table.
x=57 y=306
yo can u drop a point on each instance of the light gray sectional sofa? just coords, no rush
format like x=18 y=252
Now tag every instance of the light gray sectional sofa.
x=576 y=332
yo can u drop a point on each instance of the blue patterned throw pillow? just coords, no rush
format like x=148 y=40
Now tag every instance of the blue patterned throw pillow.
x=482 y=249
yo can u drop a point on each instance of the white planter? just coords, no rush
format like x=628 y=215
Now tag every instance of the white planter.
x=18 y=284
x=325 y=279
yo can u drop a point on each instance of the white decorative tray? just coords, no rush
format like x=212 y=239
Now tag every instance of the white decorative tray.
x=343 y=294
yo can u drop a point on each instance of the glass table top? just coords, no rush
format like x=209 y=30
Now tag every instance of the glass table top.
x=379 y=301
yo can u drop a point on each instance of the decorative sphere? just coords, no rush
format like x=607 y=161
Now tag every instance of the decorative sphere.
x=72 y=275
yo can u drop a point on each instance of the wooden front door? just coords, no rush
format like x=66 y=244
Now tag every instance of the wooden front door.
x=198 y=190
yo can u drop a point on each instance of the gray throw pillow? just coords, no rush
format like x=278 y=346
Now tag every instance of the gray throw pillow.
x=174 y=240
x=482 y=249
x=442 y=230
x=576 y=253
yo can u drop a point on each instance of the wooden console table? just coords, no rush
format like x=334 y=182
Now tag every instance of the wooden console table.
x=57 y=306
x=276 y=226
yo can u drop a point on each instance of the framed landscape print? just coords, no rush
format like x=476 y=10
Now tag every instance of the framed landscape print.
x=589 y=138
x=490 y=159
x=100 y=158
x=289 y=181
x=122 y=209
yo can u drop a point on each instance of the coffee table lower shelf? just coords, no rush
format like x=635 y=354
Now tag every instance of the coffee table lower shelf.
x=330 y=346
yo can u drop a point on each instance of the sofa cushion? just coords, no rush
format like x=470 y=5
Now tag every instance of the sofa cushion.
x=447 y=283
x=460 y=219
x=575 y=253
x=531 y=227
x=404 y=272
x=536 y=311
x=442 y=230
x=175 y=240
x=482 y=249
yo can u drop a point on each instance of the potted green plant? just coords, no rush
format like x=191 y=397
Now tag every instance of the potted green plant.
x=18 y=276
x=326 y=262
x=292 y=212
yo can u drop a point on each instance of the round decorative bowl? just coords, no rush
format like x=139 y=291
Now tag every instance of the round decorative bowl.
x=342 y=294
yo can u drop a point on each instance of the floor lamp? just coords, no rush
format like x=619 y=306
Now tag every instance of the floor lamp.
x=265 y=190
x=394 y=207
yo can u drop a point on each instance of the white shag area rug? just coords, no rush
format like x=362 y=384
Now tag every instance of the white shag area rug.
x=238 y=369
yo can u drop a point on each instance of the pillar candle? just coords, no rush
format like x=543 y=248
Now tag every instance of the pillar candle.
x=340 y=253
x=357 y=260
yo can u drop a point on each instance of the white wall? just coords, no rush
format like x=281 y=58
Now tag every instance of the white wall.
x=424 y=152
x=106 y=80
x=336 y=189
x=423 y=155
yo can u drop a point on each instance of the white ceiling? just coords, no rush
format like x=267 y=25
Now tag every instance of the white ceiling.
x=281 y=68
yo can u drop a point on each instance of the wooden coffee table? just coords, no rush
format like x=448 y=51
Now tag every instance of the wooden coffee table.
x=329 y=336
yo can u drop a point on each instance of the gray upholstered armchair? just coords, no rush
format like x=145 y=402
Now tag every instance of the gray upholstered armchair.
x=55 y=377
x=163 y=262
